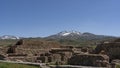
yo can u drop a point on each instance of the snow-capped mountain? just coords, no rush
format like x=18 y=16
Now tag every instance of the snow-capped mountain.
x=9 y=37
x=77 y=38
x=72 y=35
x=67 y=33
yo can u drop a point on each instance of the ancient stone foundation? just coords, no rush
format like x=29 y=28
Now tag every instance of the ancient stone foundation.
x=89 y=60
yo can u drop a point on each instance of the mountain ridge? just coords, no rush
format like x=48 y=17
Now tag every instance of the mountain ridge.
x=78 y=38
x=66 y=38
x=75 y=34
x=60 y=35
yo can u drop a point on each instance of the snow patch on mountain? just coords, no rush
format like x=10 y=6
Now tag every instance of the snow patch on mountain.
x=67 y=33
x=9 y=37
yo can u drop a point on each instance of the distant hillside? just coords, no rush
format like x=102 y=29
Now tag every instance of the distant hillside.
x=78 y=38
x=7 y=42
x=74 y=38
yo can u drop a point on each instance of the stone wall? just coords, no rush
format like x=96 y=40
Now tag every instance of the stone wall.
x=35 y=46
x=56 y=55
x=89 y=60
x=112 y=49
x=31 y=48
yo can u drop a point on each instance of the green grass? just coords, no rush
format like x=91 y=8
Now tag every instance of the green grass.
x=11 y=65
x=117 y=66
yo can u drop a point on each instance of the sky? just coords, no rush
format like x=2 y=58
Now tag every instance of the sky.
x=40 y=18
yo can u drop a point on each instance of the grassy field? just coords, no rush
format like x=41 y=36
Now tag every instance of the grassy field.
x=11 y=65
x=117 y=66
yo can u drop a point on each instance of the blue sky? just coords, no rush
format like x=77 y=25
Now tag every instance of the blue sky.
x=32 y=18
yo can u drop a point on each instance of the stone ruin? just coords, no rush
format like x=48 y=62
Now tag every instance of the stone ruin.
x=3 y=52
x=32 y=46
x=108 y=53
x=28 y=50
x=56 y=55
x=112 y=49
x=53 y=52
x=43 y=51
x=89 y=60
